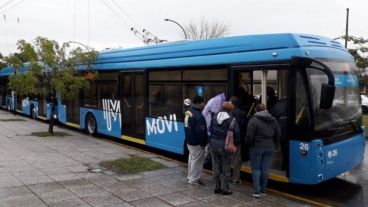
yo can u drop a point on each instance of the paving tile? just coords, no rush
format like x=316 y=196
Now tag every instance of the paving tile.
x=179 y=185
x=103 y=200
x=35 y=180
x=117 y=187
x=70 y=203
x=155 y=189
x=77 y=168
x=132 y=194
x=127 y=177
x=176 y=199
x=8 y=180
x=23 y=201
x=102 y=178
x=150 y=202
x=120 y=205
x=88 y=191
x=22 y=174
x=195 y=204
x=199 y=193
x=220 y=201
x=64 y=176
x=17 y=191
x=46 y=187
x=70 y=184
x=57 y=196
x=54 y=171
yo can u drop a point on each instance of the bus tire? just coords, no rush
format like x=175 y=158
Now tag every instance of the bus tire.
x=32 y=112
x=91 y=125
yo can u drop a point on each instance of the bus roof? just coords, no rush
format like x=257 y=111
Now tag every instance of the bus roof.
x=227 y=50
x=218 y=51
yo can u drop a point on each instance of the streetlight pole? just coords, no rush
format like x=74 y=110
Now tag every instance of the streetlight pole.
x=347 y=28
x=170 y=20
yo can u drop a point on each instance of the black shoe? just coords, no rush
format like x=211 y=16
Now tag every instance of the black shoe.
x=227 y=193
x=218 y=191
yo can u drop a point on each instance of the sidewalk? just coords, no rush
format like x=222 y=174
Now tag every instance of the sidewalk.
x=37 y=171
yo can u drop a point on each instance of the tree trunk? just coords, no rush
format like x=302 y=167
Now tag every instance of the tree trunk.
x=52 y=114
x=15 y=105
x=51 y=124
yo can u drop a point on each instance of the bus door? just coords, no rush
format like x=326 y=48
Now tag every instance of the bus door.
x=250 y=85
x=132 y=103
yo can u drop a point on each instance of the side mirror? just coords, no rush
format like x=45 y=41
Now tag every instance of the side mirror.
x=327 y=96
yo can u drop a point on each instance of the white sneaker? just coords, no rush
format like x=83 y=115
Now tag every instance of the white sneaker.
x=256 y=195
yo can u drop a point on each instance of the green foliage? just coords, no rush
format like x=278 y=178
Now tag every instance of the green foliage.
x=132 y=165
x=2 y=62
x=52 y=69
x=359 y=50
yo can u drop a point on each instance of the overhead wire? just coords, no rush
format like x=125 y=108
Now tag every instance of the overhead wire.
x=5 y=4
x=145 y=33
x=12 y=7
x=117 y=15
x=89 y=23
x=126 y=13
x=75 y=20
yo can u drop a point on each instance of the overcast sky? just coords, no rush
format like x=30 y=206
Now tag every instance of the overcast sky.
x=67 y=20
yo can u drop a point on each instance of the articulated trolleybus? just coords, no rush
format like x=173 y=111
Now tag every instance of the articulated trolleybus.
x=138 y=96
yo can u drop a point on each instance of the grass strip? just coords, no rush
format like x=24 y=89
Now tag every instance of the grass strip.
x=131 y=165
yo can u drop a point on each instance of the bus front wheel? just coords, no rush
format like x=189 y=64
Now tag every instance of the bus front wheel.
x=91 y=125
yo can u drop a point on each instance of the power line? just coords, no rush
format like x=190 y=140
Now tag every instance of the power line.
x=116 y=14
x=126 y=13
x=5 y=4
x=75 y=19
x=15 y=5
x=89 y=23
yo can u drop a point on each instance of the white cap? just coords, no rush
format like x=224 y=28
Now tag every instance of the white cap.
x=187 y=102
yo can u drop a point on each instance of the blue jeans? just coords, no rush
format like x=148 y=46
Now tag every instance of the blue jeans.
x=260 y=160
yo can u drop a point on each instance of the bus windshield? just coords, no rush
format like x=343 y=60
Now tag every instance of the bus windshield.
x=346 y=104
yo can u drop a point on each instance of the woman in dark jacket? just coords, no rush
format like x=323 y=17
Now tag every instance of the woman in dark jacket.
x=262 y=135
x=221 y=159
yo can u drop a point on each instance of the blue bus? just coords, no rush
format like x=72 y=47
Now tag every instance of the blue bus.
x=138 y=96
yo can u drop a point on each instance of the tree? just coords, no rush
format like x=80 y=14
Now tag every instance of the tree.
x=53 y=71
x=2 y=62
x=359 y=52
x=205 y=29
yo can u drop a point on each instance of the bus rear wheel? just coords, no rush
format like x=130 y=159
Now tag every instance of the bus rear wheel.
x=91 y=125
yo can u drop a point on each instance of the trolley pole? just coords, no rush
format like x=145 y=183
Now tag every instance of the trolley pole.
x=347 y=28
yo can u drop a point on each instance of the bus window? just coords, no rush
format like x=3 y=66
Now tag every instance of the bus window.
x=302 y=113
x=210 y=90
x=205 y=75
x=106 y=91
x=165 y=99
x=89 y=96
x=164 y=93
